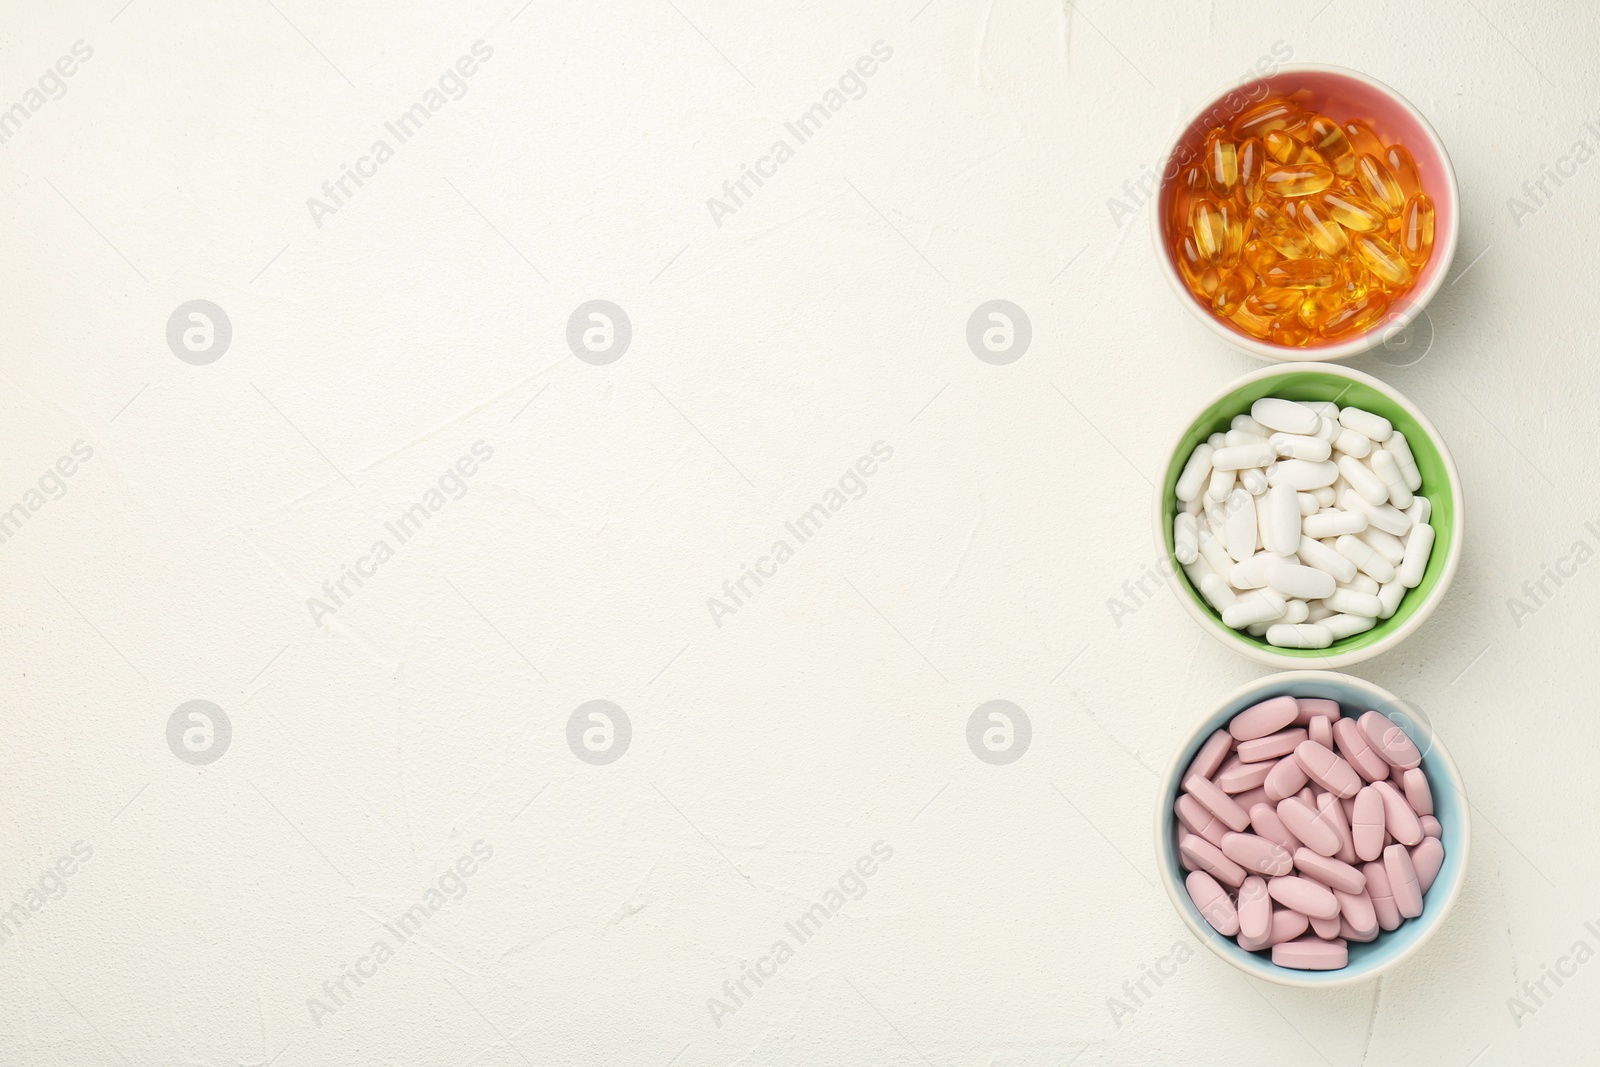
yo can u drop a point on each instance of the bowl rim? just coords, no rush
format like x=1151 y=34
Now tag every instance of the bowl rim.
x=1334 y=658
x=1393 y=322
x=1274 y=685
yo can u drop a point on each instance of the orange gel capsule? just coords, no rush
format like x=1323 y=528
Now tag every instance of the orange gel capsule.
x=1416 y=230
x=1191 y=264
x=1288 y=152
x=1315 y=273
x=1192 y=184
x=1300 y=180
x=1231 y=290
x=1353 y=212
x=1330 y=142
x=1270 y=303
x=1355 y=280
x=1256 y=326
x=1326 y=234
x=1268 y=115
x=1252 y=162
x=1207 y=226
x=1380 y=185
x=1355 y=316
x=1258 y=255
x=1278 y=230
x=1362 y=140
x=1381 y=258
x=1222 y=162
x=1289 y=332
x=1234 y=231
x=1404 y=168
x=1316 y=305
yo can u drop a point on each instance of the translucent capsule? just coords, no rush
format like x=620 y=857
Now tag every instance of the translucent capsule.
x=1330 y=142
x=1302 y=180
x=1234 y=231
x=1208 y=227
x=1231 y=290
x=1258 y=255
x=1268 y=115
x=1355 y=315
x=1278 y=230
x=1249 y=322
x=1252 y=163
x=1192 y=185
x=1318 y=224
x=1316 y=273
x=1383 y=260
x=1316 y=305
x=1288 y=331
x=1269 y=302
x=1416 y=230
x=1380 y=185
x=1191 y=264
x=1404 y=169
x=1355 y=280
x=1353 y=212
x=1222 y=161
x=1362 y=140
x=1288 y=152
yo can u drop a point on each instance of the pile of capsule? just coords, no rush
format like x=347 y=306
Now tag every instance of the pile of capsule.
x=1296 y=818
x=1303 y=523
x=1297 y=229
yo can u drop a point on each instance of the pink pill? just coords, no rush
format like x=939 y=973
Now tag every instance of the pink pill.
x=1389 y=917
x=1204 y=856
x=1251 y=797
x=1217 y=802
x=1255 y=909
x=1213 y=904
x=1267 y=717
x=1304 y=823
x=1403 y=881
x=1349 y=806
x=1326 y=769
x=1257 y=854
x=1368 y=824
x=1273 y=746
x=1309 y=707
x=1253 y=944
x=1211 y=755
x=1287 y=924
x=1330 y=872
x=1350 y=933
x=1311 y=954
x=1418 y=794
x=1401 y=822
x=1331 y=810
x=1426 y=859
x=1237 y=777
x=1265 y=822
x=1307 y=797
x=1320 y=730
x=1327 y=929
x=1357 y=915
x=1430 y=826
x=1285 y=780
x=1357 y=750
x=1197 y=820
x=1305 y=896
x=1389 y=741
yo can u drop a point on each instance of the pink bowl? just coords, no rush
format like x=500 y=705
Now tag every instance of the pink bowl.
x=1341 y=95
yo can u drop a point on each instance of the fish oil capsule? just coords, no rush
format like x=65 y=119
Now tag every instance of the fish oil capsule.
x=1317 y=305
x=1258 y=255
x=1271 y=302
x=1362 y=140
x=1268 y=115
x=1289 y=332
x=1278 y=230
x=1353 y=212
x=1192 y=185
x=1193 y=266
x=1222 y=161
x=1232 y=290
x=1329 y=140
x=1256 y=326
x=1286 y=151
x=1207 y=226
x=1404 y=168
x=1234 y=230
x=1315 y=273
x=1356 y=316
x=1416 y=230
x=1380 y=185
x=1252 y=157
x=1302 y=180
x=1318 y=224
x=1382 y=259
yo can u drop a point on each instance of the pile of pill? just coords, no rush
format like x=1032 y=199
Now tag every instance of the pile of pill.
x=1303 y=523
x=1298 y=229
x=1299 y=818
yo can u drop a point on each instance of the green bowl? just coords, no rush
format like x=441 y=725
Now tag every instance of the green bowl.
x=1441 y=484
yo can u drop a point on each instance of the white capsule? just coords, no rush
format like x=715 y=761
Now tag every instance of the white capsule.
x=1361 y=583
x=1318 y=555
x=1249 y=425
x=1195 y=473
x=1296 y=611
x=1237 y=457
x=1325 y=408
x=1327 y=429
x=1374 y=427
x=1197 y=571
x=1384 y=517
x=1284 y=415
x=1419 y=546
x=1217 y=518
x=1299 y=446
x=1241 y=527
x=1214 y=554
x=1403 y=455
x=1387 y=468
x=1241 y=437
x=1185 y=538
x=1350 y=602
x=1308 y=504
x=1220 y=485
x=1252 y=573
x=1258 y=629
x=1362 y=480
x=1305 y=583
x=1258 y=605
x=1215 y=440
x=1332 y=523
x=1352 y=444
x=1390 y=595
x=1361 y=554
x=1193 y=507
x=1305 y=635
x=1384 y=544
x=1319 y=611
x=1421 y=509
x=1217 y=593
x=1303 y=474
x=1254 y=480
x=1325 y=496
x=1343 y=626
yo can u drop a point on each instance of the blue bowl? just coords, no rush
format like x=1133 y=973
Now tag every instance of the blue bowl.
x=1450 y=807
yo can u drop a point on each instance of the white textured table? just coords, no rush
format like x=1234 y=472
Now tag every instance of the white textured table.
x=387 y=522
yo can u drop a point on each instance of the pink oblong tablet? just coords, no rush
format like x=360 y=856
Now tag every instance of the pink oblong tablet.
x=1217 y=802
x=1389 y=741
x=1369 y=824
x=1304 y=823
x=1418 y=793
x=1403 y=881
x=1255 y=910
x=1330 y=872
x=1265 y=822
x=1389 y=917
x=1401 y=822
x=1310 y=707
x=1320 y=730
x=1327 y=769
x=1426 y=859
x=1285 y=779
x=1212 y=902
x=1253 y=944
x=1358 y=915
x=1327 y=929
x=1287 y=924
x=1430 y=826
x=1273 y=746
x=1209 y=858
x=1236 y=776
x=1330 y=809
x=1211 y=755
x=1305 y=896
x=1267 y=717
x=1197 y=820
x=1311 y=954
x=1257 y=854
x=1350 y=933
x=1357 y=750
x=1251 y=797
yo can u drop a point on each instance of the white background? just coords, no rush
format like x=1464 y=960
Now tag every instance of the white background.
x=370 y=751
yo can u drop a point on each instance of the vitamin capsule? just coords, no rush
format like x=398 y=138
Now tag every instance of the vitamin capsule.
x=1361 y=554
x=1316 y=554
x=1208 y=227
x=1342 y=626
x=1384 y=544
x=1272 y=302
x=1257 y=854
x=1353 y=212
x=1196 y=470
x=1401 y=448
x=1398 y=818
x=1272 y=114
x=1308 y=504
x=1198 y=273
x=1271 y=747
x=1213 y=553
x=1221 y=161
x=1258 y=255
x=1382 y=259
x=1267 y=717
x=1252 y=157
x=1357 y=918
x=1220 y=485
x=1287 y=924
x=1419 y=547
x=1379 y=185
x=1430 y=826
x=1303 y=475
x=1317 y=222
x=1330 y=142
x=1279 y=512
x=1302 y=635
x=1185 y=538
x=1311 y=954
x=1389 y=595
x=1309 y=898
x=1213 y=903
x=1237 y=457
x=1236 y=776
x=1362 y=139
x=1305 y=583
x=1402 y=881
x=1256 y=326
x=1252 y=573
x=1217 y=593
x=1386 y=518
x=1418 y=793
x=1350 y=602
x=1197 y=820
x=1330 y=872
x=1302 y=820
x=1352 y=443
x=1333 y=522
x=1416 y=230
x=1232 y=288
x=1382 y=895
x=1313 y=273
x=1368 y=825
x=1218 y=803
x=1363 y=480
x=1271 y=225
x=1404 y=168
x=1286 y=151
x=1301 y=446
x=1191 y=185
x=1387 y=468
x=1254 y=480
x=1328 y=770
x=1332 y=811
x=1358 y=752
x=1300 y=180
x=1240 y=529
x=1426 y=859
x=1389 y=741
x=1285 y=780
x=1204 y=856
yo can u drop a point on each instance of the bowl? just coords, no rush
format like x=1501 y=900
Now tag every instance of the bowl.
x=1341 y=94
x=1440 y=484
x=1373 y=958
